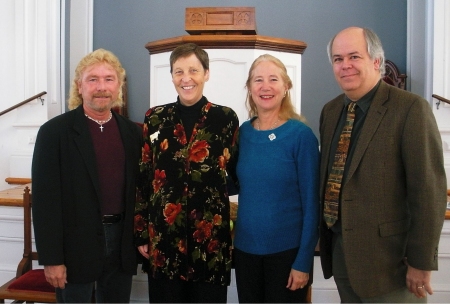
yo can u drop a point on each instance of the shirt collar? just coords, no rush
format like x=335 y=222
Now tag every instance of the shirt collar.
x=365 y=101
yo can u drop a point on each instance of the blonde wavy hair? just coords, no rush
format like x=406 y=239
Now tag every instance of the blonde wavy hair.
x=97 y=56
x=287 y=110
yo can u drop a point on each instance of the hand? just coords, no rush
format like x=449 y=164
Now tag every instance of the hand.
x=297 y=279
x=418 y=282
x=144 y=251
x=56 y=275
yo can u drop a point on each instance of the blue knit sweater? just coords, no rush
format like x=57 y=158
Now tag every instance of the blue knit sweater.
x=279 y=195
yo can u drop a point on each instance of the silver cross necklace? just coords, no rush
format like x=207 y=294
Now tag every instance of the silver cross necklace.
x=100 y=122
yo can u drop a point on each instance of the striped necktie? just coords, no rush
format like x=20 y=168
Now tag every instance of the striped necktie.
x=333 y=188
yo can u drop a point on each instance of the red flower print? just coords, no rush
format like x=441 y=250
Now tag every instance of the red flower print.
x=171 y=211
x=144 y=130
x=200 y=124
x=164 y=145
x=203 y=231
x=182 y=246
x=235 y=137
x=159 y=180
x=208 y=106
x=158 y=258
x=195 y=215
x=180 y=134
x=226 y=154
x=199 y=151
x=194 y=132
x=146 y=152
x=217 y=220
x=222 y=162
x=213 y=246
x=190 y=275
x=149 y=111
x=223 y=159
x=139 y=223
x=151 y=231
x=185 y=190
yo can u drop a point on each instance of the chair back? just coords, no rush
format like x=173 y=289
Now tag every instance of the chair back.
x=28 y=255
x=393 y=75
x=28 y=285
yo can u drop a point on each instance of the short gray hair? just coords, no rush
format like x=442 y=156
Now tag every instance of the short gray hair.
x=374 y=48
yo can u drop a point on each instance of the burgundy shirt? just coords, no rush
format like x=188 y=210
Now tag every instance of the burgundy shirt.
x=110 y=159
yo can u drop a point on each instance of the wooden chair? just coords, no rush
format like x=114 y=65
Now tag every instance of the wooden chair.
x=30 y=284
x=393 y=76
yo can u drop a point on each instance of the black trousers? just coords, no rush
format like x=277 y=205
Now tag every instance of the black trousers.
x=113 y=286
x=179 y=291
x=263 y=278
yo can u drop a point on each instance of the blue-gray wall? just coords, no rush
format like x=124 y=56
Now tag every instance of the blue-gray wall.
x=124 y=27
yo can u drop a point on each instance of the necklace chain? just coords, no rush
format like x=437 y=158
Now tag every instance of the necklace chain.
x=100 y=122
x=273 y=126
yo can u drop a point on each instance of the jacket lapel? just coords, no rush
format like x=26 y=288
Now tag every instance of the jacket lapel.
x=374 y=117
x=83 y=141
x=128 y=145
x=328 y=127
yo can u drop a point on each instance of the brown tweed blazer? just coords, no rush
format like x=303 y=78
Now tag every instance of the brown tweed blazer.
x=394 y=197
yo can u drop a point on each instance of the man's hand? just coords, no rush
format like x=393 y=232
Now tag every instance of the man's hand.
x=144 y=251
x=418 y=282
x=297 y=279
x=56 y=275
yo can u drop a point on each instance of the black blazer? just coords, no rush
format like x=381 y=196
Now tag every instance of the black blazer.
x=66 y=196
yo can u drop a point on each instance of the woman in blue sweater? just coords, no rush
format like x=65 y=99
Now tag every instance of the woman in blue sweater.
x=278 y=166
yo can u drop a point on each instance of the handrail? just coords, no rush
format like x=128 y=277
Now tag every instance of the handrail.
x=440 y=98
x=24 y=102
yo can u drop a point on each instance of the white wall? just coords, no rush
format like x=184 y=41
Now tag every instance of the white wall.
x=441 y=74
x=31 y=64
x=10 y=78
x=441 y=86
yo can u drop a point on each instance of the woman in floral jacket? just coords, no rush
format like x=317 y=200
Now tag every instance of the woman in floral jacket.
x=182 y=209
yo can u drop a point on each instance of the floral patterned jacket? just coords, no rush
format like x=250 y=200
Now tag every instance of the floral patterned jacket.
x=182 y=207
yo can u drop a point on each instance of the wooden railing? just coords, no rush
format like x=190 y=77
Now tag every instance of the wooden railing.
x=440 y=98
x=18 y=180
x=23 y=102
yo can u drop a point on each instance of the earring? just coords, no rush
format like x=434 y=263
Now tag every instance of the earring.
x=285 y=92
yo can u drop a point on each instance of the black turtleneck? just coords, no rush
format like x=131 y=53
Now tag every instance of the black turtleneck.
x=190 y=114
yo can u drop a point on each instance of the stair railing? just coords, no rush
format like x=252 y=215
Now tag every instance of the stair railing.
x=440 y=98
x=24 y=102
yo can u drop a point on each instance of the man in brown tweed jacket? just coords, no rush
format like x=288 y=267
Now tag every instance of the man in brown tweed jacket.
x=384 y=244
